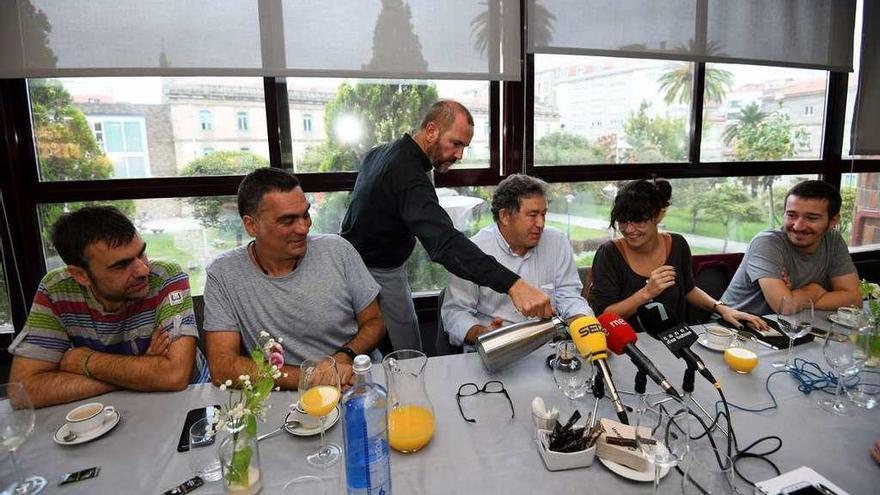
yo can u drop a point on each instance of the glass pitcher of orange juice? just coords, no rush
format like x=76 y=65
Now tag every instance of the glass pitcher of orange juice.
x=741 y=355
x=410 y=413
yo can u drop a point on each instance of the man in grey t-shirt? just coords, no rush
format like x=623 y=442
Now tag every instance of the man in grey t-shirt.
x=807 y=258
x=311 y=290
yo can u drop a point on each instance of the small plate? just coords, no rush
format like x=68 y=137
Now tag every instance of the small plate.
x=632 y=474
x=704 y=341
x=63 y=430
x=302 y=431
x=834 y=319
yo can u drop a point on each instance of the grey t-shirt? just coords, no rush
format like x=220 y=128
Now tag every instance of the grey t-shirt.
x=769 y=253
x=313 y=308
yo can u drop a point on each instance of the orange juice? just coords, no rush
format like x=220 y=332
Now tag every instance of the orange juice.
x=319 y=400
x=740 y=359
x=410 y=428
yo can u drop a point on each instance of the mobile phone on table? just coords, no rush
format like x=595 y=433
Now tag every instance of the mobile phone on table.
x=186 y=487
x=85 y=474
x=192 y=417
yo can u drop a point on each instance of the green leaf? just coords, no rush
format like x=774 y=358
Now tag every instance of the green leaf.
x=257 y=356
x=251 y=426
x=241 y=461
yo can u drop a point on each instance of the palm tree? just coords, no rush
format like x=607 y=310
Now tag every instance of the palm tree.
x=749 y=116
x=541 y=23
x=678 y=82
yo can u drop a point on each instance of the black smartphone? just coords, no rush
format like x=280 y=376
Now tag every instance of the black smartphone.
x=85 y=474
x=191 y=418
x=186 y=487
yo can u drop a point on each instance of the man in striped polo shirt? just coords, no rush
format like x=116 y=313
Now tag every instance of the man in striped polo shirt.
x=109 y=320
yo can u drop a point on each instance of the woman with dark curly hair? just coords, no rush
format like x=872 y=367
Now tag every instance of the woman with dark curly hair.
x=644 y=264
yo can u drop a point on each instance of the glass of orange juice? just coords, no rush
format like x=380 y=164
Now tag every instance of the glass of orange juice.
x=410 y=413
x=741 y=355
x=318 y=395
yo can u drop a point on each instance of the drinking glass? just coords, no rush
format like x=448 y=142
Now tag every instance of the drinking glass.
x=203 y=455
x=16 y=423
x=846 y=354
x=662 y=432
x=707 y=471
x=318 y=395
x=795 y=318
x=572 y=373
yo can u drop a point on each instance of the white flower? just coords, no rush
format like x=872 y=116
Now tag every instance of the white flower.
x=222 y=386
x=285 y=375
x=280 y=340
x=277 y=389
x=264 y=333
x=228 y=383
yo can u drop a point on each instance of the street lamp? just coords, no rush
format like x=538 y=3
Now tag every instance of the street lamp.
x=568 y=199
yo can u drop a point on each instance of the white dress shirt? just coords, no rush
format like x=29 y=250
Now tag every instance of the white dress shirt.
x=548 y=266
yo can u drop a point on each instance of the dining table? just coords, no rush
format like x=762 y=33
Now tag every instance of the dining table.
x=496 y=454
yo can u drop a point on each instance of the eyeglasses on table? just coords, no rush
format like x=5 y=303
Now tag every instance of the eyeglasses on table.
x=490 y=387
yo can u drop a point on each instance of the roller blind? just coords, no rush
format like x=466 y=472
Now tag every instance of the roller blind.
x=422 y=39
x=790 y=33
x=866 y=120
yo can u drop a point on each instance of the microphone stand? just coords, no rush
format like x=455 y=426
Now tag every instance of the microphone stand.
x=641 y=382
x=598 y=393
x=687 y=386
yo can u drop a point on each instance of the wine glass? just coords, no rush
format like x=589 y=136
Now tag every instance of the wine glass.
x=846 y=354
x=795 y=318
x=16 y=423
x=572 y=373
x=662 y=432
x=318 y=395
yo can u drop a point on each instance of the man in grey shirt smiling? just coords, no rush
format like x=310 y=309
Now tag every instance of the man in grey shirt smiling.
x=806 y=258
x=311 y=290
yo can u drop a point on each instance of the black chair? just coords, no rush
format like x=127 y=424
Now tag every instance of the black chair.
x=713 y=277
x=441 y=343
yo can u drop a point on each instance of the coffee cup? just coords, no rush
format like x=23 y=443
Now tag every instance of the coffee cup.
x=306 y=420
x=718 y=336
x=848 y=315
x=88 y=417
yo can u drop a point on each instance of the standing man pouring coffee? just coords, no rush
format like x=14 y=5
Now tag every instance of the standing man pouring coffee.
x=394 y=203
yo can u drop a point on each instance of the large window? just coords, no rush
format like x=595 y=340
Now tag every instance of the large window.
x=860 y=210
x=119 y=128
x=753 y=113
x=591 y=110
x=334 y=122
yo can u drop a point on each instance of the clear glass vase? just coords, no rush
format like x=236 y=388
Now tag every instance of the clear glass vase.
x=872 y=332
x=240 y=462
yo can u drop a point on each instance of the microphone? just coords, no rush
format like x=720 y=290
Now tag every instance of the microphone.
x=587 y=334
x=622 y=339
x=654 y=318
x=678 y=339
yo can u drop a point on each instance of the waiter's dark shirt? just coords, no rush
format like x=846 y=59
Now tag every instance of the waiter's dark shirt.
x=394 y=202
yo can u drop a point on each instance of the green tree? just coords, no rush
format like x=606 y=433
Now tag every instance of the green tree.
x=678 y=82
x=847 y=210
x=384 y=113
x=728 y=204
x=541 y=25
x=749 y=116
x=391 y=43
x=564 y=148
x=654 y=138
x=66 y=148
x=221 y=212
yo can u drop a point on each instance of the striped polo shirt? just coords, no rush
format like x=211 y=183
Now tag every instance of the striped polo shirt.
x=65 y=314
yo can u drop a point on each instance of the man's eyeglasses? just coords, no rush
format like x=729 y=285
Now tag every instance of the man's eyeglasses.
x=490 y=387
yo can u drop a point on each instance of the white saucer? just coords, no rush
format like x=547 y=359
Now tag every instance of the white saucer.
x=632 y=474
x=833 y=317
x=704 y=341
x=302 y=431
x=108 y=425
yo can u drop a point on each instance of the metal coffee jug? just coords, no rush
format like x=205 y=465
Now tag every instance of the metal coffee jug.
x=410 y=412
x=508 y=344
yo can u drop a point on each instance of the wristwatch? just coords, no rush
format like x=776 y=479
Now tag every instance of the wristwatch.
x=348 y=351
x=717 y=303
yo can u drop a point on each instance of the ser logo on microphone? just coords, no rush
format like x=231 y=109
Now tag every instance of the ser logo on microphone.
x=589 y=328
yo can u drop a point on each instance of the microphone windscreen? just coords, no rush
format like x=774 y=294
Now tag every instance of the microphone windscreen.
x=586 y=332
x=620 y=333
x=654 y=318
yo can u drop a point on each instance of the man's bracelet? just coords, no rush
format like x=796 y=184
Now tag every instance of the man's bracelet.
x=86 y=366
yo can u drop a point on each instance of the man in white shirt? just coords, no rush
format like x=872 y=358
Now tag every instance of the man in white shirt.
x=518 y=240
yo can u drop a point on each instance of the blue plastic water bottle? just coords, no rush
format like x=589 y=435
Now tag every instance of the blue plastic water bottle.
x=365 y=432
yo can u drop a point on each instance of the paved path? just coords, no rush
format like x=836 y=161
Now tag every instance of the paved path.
x=693 y=240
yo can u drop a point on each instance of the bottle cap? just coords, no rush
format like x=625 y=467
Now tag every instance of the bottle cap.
x=361 y=363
